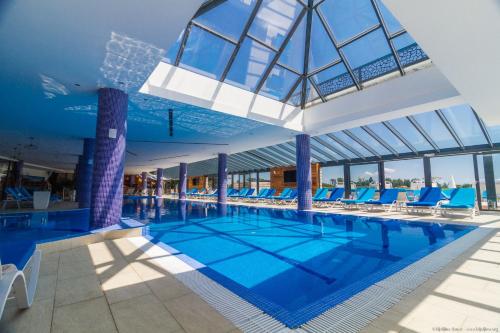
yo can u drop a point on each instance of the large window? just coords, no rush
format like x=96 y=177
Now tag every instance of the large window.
x=332 y=176
x=253 y=180
x=404 y=174
x=452 y=171
x=230 y=181
x=364 y=175
x=264 y=180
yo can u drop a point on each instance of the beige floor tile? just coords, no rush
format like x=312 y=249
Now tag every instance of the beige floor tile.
x=167 y=287
x=196 y=316
x=74 y=269
x=124 y=285
x=84 y=317
x=77 y=289
x=149 y=270
x=143 y=314
x=36 y=319
x=46 y=287
x=101 y=253
x=49 y=264
x=75 y=255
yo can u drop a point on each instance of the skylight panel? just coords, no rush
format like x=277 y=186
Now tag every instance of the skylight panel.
x=370 y=56
x=390 y=21
x=438 y=132
x=410 y=133
x=251 y=61
x=408 y=50
x=348 y=18
x=296 y=97
x=279 y=82
x=322 y=51
x=465 y=124
x=386 y=135
x=333 y=79
x=293 y=54
x=205 y=53
x=228 y=18
x=274 y=20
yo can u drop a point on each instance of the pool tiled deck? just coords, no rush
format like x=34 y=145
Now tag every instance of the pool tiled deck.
x=114 y=286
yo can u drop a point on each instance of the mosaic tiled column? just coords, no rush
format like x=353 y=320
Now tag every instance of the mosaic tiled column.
x=144 y=178
x=75 y=178
x=304 y=180
x=182 y=180
x=85 y=169
x=222 y=179
x=159 y=182
x=18 y=177
x=107 y=178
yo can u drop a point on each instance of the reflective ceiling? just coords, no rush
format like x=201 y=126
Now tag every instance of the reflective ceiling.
x=296 y=51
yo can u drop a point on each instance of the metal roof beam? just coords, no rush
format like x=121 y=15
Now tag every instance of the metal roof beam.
x=450 y=129
x=380 y=140
x=345 y=145
x=400 y=137
x=330 y=147
x=483 y=128
x=362 y=143
x=421 y=130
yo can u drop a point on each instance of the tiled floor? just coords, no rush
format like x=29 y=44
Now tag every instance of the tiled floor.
x=113 y=286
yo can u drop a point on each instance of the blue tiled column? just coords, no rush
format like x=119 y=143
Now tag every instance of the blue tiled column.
x=85 y=169
x=182 y=180
x=159 y=182
x=107 y=178
x=144 y=177
x=304 y=182
x=222 y=179
x=75 y=179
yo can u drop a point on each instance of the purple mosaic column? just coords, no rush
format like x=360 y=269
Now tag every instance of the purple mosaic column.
x=85 y=169
x=304 y=182
x=107 y=180
x=222 y=179
x=159 y=182
x=182 y=180
x=144 y=177
x=18 y=177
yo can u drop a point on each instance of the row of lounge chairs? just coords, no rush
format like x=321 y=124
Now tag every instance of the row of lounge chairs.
x=428 y=199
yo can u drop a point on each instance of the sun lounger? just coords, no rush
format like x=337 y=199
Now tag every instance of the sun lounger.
x=363 y=196
x=335 y=197
x=287 y=200
x=21 y=281
x=388 y=199
x=461 y=199
x=428 y=200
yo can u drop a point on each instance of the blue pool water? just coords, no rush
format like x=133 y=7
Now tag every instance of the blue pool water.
x=292 y=266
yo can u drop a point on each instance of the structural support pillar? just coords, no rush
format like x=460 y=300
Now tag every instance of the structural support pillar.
x=18 y=177
x=222 y=179
x=109 y=157
x=489 y=179
x=347 y=181
x=427 y=171
x=381 y=175
x=159 y=182
x=85 y=169
x=182 y=181
x=304 y=179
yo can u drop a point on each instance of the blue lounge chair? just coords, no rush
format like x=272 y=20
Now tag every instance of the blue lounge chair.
x=388 y=199
x=336 y=195
x=284 y=194
x=14 y=195
x=412 y=195
x=262 y=194
x=428 y=200
x=242 y=193
x=363 y=196
x=289 y=199
x=270 y=193
x=320 y=194
x=461 y=199
x=249 y=193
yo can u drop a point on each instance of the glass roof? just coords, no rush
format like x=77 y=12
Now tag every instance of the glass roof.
x=295 y=51
x=452 y=130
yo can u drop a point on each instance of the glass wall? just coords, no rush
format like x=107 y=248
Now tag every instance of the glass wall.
x=452 y=171
x=489 y=180
x=253 y=180
x=408 y=174
x=230 y=181
x=247 y=180
x=264 y=180
x=364 y=175
x=332 y=176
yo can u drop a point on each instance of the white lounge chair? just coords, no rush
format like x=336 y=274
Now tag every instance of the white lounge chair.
x=20 y=284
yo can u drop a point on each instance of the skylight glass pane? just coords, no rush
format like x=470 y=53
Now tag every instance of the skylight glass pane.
x=356 y=146
x=279 y=82
x=228 y=18
x=431 y=123
x=347 y=18
x=333 y=79
x=385 y=134
x=249 y=65
x=338 y=147
x=494 y=132
x=293 y=54
x=370 y=56
x=296 y=97
x=172 y=51
x=205 y=53
x=391 y=22
x=408 y=50
x=322 y=51
x=274 y=20
x=320 y=150
x=463 y=120
x=410 y=133
x=366 y=138
x=311 y=93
